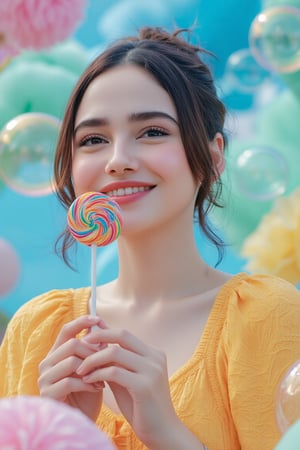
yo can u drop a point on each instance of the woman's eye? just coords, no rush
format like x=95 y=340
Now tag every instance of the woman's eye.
x=91 y=140
x=154 y=132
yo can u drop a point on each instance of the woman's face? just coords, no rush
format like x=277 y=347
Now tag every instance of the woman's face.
x=127 y=144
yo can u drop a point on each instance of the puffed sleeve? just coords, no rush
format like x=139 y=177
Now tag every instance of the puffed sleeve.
x=29 y=336
x=263 y=342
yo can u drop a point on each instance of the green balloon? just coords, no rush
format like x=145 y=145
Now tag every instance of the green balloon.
x=47 y=90
x=273 y=3
x=50 y=77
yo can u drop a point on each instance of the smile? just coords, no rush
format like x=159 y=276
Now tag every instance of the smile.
x=127 y=191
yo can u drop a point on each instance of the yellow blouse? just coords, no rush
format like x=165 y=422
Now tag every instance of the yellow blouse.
x=225 y=393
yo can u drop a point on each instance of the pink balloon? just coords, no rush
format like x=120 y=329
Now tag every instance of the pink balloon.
x=9 y=267
x=40 y=423
x=38 y=24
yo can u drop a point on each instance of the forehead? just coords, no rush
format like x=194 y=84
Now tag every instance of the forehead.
x=124 y=90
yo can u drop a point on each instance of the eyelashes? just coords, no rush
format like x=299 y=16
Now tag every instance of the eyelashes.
x=96 y=139
x=92 y=139
x=154 y=132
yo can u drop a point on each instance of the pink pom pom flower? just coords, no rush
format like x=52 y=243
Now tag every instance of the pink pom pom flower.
x=39 y=24
x=39 y=423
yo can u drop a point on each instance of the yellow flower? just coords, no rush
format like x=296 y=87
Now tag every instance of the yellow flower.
x=274 y=247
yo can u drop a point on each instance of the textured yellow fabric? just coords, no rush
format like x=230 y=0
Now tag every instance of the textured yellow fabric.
x=225 y=394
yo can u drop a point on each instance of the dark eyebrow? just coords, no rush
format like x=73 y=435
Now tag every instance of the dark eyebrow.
x=96 y=122
x=135 y=117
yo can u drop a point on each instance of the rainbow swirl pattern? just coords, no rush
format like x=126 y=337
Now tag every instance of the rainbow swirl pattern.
x=94 y=219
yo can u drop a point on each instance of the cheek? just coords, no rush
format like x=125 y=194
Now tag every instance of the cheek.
x=84 y=174
x=172 y=162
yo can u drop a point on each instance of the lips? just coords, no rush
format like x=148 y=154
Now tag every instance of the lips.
x=125 y=192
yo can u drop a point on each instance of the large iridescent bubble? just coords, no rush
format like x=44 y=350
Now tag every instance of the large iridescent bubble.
x=27 y=146
x=260 y=173
x=274 y=39
x=288 y=399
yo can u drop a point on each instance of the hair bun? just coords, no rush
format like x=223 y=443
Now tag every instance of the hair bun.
x=172 y=38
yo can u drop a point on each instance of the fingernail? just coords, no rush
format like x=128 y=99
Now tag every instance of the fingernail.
x=93 y=319
x=102 y=324
x=99 y=385
x=79 y=370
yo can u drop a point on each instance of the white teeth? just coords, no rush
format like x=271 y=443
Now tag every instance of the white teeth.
x=127 y=191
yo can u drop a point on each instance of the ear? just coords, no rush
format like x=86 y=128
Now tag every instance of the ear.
x=217 y=153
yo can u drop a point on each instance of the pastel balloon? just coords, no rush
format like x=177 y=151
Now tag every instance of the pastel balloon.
x=274 y=38
x=94 y=219
x=39 y=24
x=47 y=89
x=10 y=267
x=288 y=398
x=27 y=146
x=40 y=423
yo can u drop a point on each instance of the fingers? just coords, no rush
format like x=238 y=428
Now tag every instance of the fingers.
x=57 y=371
x=112 y=355
x=61 y=365
x=72 y=329
x=117 y=375
x=63 y=369
x=123 y=338
x=127 y=361
x=74 y=346
x=62 y=388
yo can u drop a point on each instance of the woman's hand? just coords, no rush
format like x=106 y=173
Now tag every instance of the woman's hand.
x=138 y=377
x=57 y=372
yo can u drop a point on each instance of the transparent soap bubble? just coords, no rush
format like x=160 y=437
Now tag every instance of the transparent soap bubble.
x=243 y=71
x=27 y=146
x=288 y=399
x=274 y=39
x=261 y=173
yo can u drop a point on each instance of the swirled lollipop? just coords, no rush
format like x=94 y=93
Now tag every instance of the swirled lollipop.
x=94 y=219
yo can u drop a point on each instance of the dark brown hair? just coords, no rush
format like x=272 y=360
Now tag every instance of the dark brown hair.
x=178 y=67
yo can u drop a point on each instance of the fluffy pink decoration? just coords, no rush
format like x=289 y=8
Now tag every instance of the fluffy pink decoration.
x=38 y=24
x=36 y=423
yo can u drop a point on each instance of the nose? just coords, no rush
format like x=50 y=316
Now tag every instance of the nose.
x=121 y=160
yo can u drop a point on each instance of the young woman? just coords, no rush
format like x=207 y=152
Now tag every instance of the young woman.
x=184 y=356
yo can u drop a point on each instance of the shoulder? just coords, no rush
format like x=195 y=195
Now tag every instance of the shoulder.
x=50 y=309
x=261 y=341
x=260 y=294
x=262 y=310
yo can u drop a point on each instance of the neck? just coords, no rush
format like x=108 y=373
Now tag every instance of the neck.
x=165 y=264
